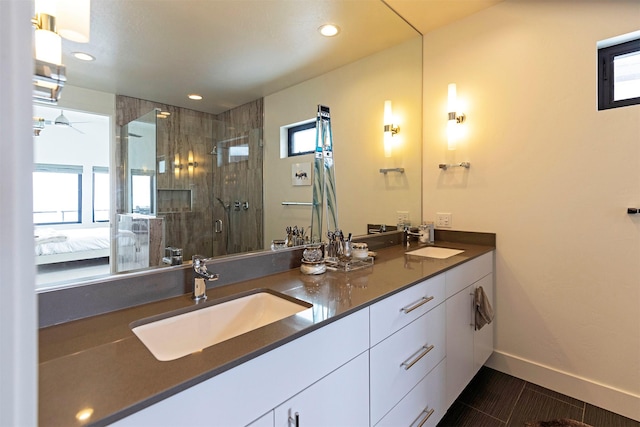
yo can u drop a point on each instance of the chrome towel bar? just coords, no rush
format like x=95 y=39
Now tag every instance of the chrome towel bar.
x=399 y=170
x=297 y=204
x=445 y=166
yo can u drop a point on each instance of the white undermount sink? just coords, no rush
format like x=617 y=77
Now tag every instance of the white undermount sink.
x=177 y=334
x=435 y=252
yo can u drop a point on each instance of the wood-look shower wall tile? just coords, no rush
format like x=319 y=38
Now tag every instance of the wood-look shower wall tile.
x=182 y=131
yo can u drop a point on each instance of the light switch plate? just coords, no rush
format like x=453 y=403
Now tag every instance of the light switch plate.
x=403 y=217
x=443 y=220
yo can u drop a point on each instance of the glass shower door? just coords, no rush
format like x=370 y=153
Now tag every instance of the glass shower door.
x=133 y=237
x=141 y=164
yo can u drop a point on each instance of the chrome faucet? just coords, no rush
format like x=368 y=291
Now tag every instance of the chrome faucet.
x=408 y=233
x=381 y=229
x=201 y=275
x=172 y=256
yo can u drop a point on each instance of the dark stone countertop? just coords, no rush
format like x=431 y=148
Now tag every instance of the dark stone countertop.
x=99 y=363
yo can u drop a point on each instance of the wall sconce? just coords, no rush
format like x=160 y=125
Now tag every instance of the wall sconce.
x=191 y=165
x=53 y=20
x=177 y=166
x=454 y=117
x=389 y=129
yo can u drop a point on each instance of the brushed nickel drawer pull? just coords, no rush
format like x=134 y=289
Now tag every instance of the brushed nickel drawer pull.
x=473 y=310
x=425 y=349
x=295 y=420
x=422 y=301
x=429 y=413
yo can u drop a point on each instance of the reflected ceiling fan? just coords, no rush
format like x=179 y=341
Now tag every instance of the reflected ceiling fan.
x=62 y=121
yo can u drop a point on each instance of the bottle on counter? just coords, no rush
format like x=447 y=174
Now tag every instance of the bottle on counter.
x=427 y=233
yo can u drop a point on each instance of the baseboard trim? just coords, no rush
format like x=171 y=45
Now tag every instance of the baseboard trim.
x=615 y=400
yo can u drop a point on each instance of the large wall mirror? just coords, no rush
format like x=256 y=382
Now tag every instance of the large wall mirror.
x=150 y=170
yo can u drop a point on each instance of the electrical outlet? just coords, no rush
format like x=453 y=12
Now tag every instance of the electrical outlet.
x=403 y=217
x=443 y=220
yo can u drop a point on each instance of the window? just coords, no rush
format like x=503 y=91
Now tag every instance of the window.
x=57 y=194
x=302 y=139
x=142 y=191
x=100 y=194
x=619 y=75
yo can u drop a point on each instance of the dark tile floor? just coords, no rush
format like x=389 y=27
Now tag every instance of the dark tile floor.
x=496 y=399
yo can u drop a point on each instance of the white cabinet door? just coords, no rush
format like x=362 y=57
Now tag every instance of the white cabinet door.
x=341 y=399
x=483 y=338
x=467 y=349
x=460 y=324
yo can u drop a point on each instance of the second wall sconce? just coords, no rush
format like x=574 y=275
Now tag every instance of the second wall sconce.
x=192 y=164
x=454 y=117
x=390 y=129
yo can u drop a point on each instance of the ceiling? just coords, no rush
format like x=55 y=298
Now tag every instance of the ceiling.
x=427 y=15
x=235 y=51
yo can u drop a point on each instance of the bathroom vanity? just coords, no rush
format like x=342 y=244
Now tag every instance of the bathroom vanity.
x=389 y=345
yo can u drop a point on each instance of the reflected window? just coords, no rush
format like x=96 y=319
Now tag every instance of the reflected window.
x=101 y=203
x=619 y=75
x=232 y=150
x=142 y=191
x=302 y=139
x=238 y=153
x=57 y=194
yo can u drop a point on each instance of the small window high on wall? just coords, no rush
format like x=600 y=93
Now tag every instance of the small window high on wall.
x=619 y=74
x=301 y=139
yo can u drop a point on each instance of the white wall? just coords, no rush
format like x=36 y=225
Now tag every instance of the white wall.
x=356 y=98
x=18 y=316
x=86 y=145
x=552 y=176
x=102 y=103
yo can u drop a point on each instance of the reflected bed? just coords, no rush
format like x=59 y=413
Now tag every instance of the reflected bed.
x=62 y=245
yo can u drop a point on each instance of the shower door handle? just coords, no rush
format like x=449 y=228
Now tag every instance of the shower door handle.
x=217 y=226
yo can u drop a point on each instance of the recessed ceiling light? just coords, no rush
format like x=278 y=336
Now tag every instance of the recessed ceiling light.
x=329 y=30
x=195 y=96
x=84 y=56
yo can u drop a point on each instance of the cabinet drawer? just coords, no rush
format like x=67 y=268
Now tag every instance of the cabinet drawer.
x=397 y=311
x=425 y=401
x=468 y=273
x=399 y=362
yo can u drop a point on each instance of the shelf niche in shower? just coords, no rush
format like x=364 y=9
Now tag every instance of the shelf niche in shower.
x=174 y=201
